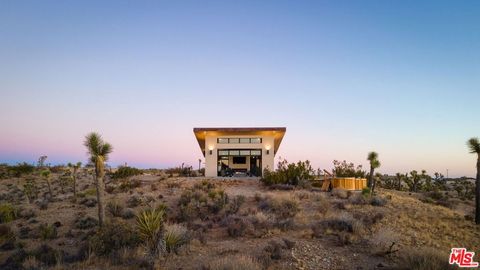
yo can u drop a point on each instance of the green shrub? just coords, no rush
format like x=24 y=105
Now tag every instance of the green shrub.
x=115 y=208
x=175 y=237
x=7 y=213
x=348 y=169
x=366 y=191
x=125 y=172
x=112 y=237
x=128 y=184
x=47 y=231
x=289 y=173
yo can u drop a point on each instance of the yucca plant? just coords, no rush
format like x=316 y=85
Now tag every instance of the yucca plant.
x=474 y=146
x=150 y=226
x=175 y=237
x=46 y=175
x=99 y=150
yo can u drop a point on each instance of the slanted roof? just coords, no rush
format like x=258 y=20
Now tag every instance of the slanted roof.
x=276 y=132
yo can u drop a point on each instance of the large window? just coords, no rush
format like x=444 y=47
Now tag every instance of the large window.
x=238 y=140
x=239 y=152
x=239 y=160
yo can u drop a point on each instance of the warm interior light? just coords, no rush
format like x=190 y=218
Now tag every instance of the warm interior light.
x=267 y=147
x=210 y=147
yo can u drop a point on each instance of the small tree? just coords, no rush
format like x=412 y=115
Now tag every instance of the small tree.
x=98 y=151
x=374 y=164
x=46 y=175
x=41 y=162
x=398 y=181
x=474 y=146
x=74 y=168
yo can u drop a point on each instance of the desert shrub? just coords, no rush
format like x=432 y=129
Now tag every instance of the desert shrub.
x=115 y=208
x=125 y=172
x=7 y=237
x=383 y=242
x=282 y=207
x=21 y=169
x=30 y=190
x=238 y=262
x=200 y=201
x=235 y=203
x=275 y=249
x=424 y=259
x=128 y=184
x=134 y=201
x=185 y=171
x=289 y=173
x=46 y=255
x=7 y=213
x=112 y=237
x=340 y=193
x=85 y=223
x=57 y=168
x=366 y=191
x=378 y=201
x=357 y=199
x=237 y=226
x=150 y=225
x=128 y=213
x=343 y=226
x=47 y=231
x=175 y=237
x=322 y=203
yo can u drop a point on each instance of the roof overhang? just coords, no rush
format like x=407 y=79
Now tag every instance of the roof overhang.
x=276 y=132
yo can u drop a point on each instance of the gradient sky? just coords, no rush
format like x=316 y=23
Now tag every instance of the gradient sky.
x=344 y=77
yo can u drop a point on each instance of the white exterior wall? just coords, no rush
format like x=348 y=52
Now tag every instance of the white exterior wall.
x=211 y=143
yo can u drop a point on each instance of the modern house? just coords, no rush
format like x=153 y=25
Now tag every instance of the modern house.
x=239 y=151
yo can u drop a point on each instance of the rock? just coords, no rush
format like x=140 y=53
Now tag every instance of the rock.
x=57 y=224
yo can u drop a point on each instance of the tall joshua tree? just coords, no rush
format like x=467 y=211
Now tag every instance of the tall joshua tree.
x=474 y=145
x=75 y=168
x=46 y=174
x=374 y=164
x=98 y=150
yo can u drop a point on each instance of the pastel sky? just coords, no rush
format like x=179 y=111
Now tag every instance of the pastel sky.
x=345 y=77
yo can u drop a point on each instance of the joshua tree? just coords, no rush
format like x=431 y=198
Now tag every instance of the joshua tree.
x=41 y=162
x=98 y=151
x=374 y=164
x=474 y=145
x=75 y=168
x=398 y=181
x=46 y=175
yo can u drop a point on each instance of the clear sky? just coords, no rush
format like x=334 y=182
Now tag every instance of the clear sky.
x=345 y=77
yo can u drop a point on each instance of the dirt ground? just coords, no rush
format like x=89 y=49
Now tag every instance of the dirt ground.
x=402 y=219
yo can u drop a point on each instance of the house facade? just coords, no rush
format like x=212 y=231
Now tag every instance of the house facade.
x=239 y=151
